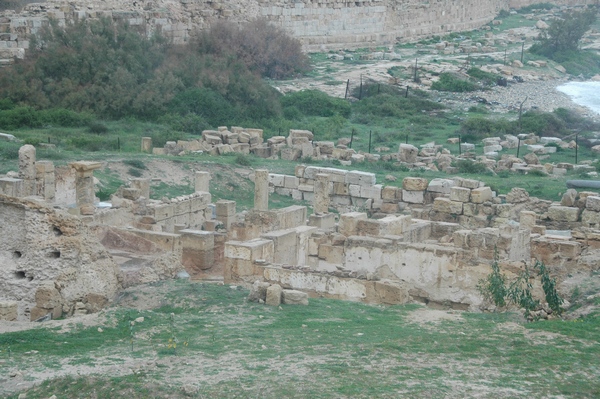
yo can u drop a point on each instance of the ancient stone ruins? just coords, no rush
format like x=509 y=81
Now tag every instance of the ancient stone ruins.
x=63 y=253
x=319 y=25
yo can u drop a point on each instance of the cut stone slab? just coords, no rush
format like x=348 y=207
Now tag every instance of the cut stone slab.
x=273 y=297
x=294 y=297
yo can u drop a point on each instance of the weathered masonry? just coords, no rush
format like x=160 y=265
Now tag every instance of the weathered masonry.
x=320 y=25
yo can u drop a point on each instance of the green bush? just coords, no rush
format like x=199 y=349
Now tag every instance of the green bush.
x=315 y=103
x=9 y=151
x=87 y=142
x=135 y=172
x=471 y=167
x=108 y=69
x=98 y=128
x=243 y=160
x=486 y=78
x=542 y=123
x=476 y=128
x=449 y=82
x=136 y=163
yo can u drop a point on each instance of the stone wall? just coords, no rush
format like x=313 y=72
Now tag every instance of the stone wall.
x=51 y=263
x=326 y=24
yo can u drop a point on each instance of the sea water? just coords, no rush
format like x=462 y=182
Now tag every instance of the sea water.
x=586 y=94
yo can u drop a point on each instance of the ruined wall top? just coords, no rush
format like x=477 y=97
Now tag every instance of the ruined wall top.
x=319 y=25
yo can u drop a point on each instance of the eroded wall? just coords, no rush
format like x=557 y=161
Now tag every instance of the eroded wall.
x=319 y=25
x=51 y=263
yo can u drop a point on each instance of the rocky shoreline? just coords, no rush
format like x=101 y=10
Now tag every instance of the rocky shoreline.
x=540 y=95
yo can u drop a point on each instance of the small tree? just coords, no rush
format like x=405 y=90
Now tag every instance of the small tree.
x=564 y=33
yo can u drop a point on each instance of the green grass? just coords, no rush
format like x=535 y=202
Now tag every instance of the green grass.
x=329 y=349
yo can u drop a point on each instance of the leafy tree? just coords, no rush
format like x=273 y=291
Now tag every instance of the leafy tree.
x=564 y=34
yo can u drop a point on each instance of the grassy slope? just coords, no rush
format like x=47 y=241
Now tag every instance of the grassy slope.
x=231 y=348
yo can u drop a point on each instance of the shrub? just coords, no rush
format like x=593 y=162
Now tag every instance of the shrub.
x=135 y=172
x=449 y=82
x=98 y=128
x=468 y=166
x=486 y=78
x=477 y=128
x=315 y=103
x=243 y=160
x=520 y=291
x=259 y=45
x=9 y=151
x=202 y=104
x=136 y=163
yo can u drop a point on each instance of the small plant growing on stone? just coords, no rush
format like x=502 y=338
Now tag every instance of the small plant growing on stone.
x=494 y=288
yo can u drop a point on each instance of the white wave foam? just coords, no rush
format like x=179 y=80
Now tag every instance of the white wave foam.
x=586 y=94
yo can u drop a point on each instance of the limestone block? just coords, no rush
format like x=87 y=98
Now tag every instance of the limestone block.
x=291 y=182
x=460 y=194
x=341 y=189
x=197 y=250
x=290 y=154
x=11 y=187
x=413 y=197
x=517 y=195
x=284 y=246
x=408 y=153
x=414 y=184
x=389 y=207
x=143 y=185
x=527 y=219
x=8 y=310
x=503 y=210
x=394 y=225
x=294 y=297
x=162 y=212
x=563 y=213
x=323 y=221
x=321 y=203
x=275 y=179
x=569 y=198
x=131 y=193
x=360 y=178
x=441 y=185
x=213 y=140
x=492 y=148
x=470 y=183
x=250 y=250
x=349 y=222
x=47 y=296
x=445 y=205
x=225 y=208
x=299 y=171
x=354 y=190
x=331 y=253
x=592 y=203
x=373 y=192
x=470 y=209
x=273 y=297
x=258 y=291
x=590 y=218
x=481 y=195
x=391 y=193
